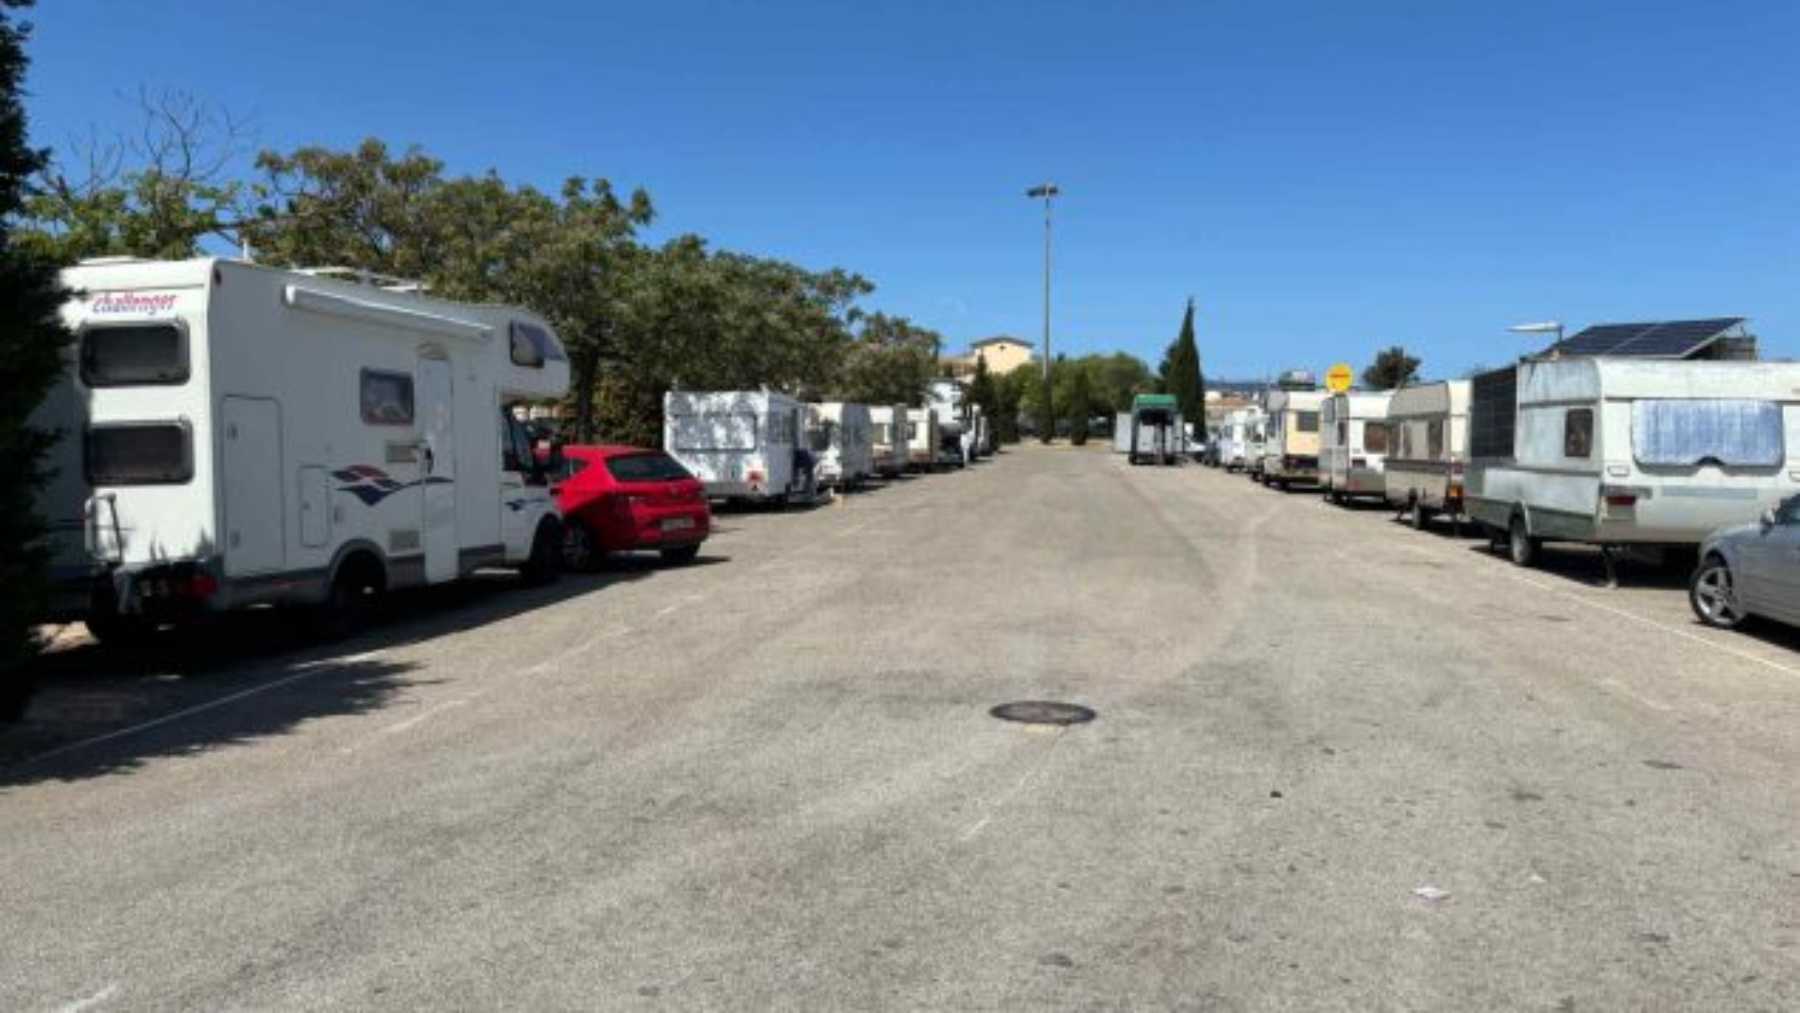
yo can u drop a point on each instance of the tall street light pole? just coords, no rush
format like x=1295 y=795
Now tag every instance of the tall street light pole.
x=1546 y=327
x=1046 y=191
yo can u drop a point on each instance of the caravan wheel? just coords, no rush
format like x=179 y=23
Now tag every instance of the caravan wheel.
x=1417 y=517
x=544 y=564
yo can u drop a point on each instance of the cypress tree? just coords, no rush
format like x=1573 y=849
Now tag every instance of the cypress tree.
x=30 y=361
x=1184 y=372
x=1081 y=405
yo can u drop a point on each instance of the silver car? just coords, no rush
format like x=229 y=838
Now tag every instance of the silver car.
x=1751 y=569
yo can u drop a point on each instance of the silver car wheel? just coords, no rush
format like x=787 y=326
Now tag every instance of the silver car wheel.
x=1714 y=596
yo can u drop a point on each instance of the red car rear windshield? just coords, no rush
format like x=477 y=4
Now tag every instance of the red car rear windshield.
x=646 y=468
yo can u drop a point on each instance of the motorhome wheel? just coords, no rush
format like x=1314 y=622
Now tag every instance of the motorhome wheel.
x=1713 y=595
x=352 y=601
x=1520 y=544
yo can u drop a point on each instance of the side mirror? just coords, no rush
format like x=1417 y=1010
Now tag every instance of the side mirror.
x=1767 y=519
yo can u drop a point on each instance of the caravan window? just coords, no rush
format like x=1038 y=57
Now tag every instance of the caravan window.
x=1434 y=438
x=139 y=453
x=387 y=398
x=1375 y=437
x=716 y=431
x=1578 y=433
x=133 y=355
x=1687 y=432
x=1306 y=422
x=819 y=436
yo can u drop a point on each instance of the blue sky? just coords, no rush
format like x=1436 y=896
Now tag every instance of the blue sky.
x=1324 y=178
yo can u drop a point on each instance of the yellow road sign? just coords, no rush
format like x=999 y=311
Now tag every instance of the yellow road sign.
x=1339 y=378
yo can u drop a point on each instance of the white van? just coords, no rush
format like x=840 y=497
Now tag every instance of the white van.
x=888 y=427
x=741 y=444
x=237 y=435
x=1353 y=445
x=1630 y=451
x=1234 y=437
x=921 y=438
x=1429 y=449
x=842 y=443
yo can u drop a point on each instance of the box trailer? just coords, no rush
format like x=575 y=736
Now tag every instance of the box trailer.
x=235 y=435
x=741 y=444
x=1153 y=430
x=1428 y=450
x=1353 y=445
x=1623 y=452
x=921 y=438
x=842 y=444
x=1290 y=453
x=887 y=424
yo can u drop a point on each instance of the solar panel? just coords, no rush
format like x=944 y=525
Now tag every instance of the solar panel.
x=1673 y=339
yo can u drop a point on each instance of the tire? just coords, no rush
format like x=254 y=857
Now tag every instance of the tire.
x=1521 y=548
x=681 y=556
x=1712 y=595
x=352 y=602
x=544 y=564
x=1417 y=516
x=580 y=549
x=115 y=630
x=1282 y=483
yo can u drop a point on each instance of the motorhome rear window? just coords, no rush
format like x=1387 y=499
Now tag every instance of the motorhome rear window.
x=646 y=468
x=139 y=453
x=716 y=431
x=1375 y=437
x=1434 y=439
x=1306 y=422
x=133 y=355
x=387 y=398
x=1683 y=433
x=819 y=436
x=1578 y=432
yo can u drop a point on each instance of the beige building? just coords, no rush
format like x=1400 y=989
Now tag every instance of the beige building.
x=1002 y=353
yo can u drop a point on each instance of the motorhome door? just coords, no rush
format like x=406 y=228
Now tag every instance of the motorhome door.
x=437 y=470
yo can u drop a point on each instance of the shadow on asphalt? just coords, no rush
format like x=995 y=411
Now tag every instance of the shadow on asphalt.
x=1581 y=564
x=87 y=691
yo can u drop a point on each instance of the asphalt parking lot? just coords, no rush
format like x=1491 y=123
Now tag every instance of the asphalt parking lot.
x=1337 y=763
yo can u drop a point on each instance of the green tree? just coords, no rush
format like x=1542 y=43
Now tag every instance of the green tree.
x=890 y=361
x=157 y=193
x=1081 y=404
x=1182 y=371
x=1391 y=370
x=983 y=392
x=1117 y=378
x=1043 y=407
x=31 y=348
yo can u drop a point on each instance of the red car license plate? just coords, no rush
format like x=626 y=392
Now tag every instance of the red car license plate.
x=677 y=523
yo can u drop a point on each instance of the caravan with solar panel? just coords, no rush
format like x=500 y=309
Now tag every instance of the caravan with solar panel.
x=1624 y=450
x=237 y=435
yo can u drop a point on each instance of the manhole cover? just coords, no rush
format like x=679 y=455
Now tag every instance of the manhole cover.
x=1043 y=712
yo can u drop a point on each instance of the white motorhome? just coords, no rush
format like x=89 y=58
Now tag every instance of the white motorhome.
x=1428 y=449
x=921 y=438
x=842 y=442
x=1234 y=437
x=888 y=425
x=1290 y=453
x=237 y=435
x=950 y=400
x=1353 y=445
x=741 y=444
x=1629 y=451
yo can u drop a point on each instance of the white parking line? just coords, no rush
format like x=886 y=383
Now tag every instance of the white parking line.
x=307 y=671
x=994 y=807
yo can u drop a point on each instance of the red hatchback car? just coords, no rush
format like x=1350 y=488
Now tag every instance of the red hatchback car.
x=616 y=499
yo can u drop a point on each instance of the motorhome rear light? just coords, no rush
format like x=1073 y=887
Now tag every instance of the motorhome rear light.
x=1359 y=462
x=1621 y=499
x=1455 y=491
x=202 y=585
x=755 y=476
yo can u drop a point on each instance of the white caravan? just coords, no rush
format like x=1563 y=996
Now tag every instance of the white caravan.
x=842 y=443
x=741 y=444
x=1428 y=449
x=1353 y=445
x=921 y=438
x=1624 y=451
x=238 y=435
x=1290 y=453
x=888 y=426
